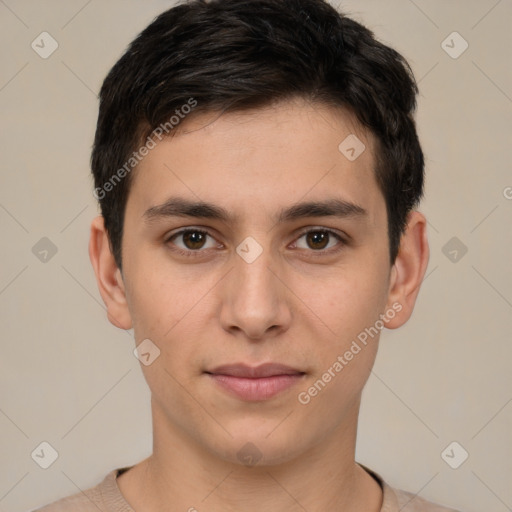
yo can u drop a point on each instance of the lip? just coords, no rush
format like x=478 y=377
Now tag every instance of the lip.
x=254 y=372
x=255 y=383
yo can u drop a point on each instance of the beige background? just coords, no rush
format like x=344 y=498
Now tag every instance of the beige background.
x=69 y=378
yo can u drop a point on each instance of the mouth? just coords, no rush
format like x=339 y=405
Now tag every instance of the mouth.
x=255 y=383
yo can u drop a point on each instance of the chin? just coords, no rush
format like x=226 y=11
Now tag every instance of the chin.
x=260 y=451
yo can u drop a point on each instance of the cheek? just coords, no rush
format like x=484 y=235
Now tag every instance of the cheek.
x=346 y=353
x=345 y=302
x=159 y=296
x=169 y=308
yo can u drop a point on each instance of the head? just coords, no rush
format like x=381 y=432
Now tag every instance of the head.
x=242 y=108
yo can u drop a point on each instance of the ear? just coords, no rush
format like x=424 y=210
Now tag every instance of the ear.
x=108 y=276
x=408 y=270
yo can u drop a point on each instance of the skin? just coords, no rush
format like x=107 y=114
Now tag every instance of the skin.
x=296 y=304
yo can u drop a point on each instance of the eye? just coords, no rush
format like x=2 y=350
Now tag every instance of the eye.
x=192 y=240
x=320 y=240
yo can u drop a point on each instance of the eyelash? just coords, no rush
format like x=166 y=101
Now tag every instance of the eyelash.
x=197 y=253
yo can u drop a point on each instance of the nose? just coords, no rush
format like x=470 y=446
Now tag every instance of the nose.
x=254 y=299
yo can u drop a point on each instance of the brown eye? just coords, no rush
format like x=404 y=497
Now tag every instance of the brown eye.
x=320 y=242
x=194 y=239
x=317 y=239
x=191 y=240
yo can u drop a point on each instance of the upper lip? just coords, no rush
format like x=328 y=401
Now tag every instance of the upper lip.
x=254 y=372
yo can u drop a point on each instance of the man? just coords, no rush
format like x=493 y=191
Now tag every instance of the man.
x=258 y=170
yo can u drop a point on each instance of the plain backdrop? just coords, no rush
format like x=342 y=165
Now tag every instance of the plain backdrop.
x=69 y=378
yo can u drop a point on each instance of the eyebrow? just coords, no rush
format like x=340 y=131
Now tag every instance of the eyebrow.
x=179 y=207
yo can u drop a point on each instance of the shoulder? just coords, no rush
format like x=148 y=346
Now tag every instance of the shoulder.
x=79 y=502
x=396 y=500
x=408 y=502
x=100 y=497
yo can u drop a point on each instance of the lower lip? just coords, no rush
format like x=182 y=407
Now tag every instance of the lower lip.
x=256 y=389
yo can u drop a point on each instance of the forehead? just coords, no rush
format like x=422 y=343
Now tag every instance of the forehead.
x=262 y=157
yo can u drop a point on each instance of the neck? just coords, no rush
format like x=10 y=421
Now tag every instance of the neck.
x=192 y=478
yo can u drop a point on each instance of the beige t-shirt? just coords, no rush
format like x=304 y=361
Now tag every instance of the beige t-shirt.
x=106 y=497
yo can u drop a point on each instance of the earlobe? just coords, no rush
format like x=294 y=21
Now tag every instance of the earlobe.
x=108 y=276
x=408 y=270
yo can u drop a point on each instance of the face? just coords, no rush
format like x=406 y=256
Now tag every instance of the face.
x=255 y=279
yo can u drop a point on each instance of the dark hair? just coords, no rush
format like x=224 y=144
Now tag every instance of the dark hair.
x=232 y=55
